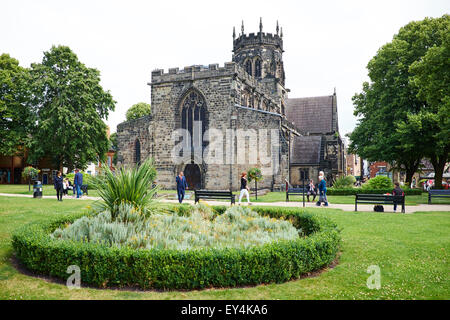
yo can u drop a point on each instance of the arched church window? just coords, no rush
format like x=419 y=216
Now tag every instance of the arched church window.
x=137 y=152
x=248 y=67
x=193 y=120
x=264 y=106
x=258 y=67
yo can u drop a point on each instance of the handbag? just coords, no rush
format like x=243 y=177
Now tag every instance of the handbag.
x=378 y=208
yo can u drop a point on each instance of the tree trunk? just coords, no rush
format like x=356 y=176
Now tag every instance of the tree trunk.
x=361 y=168
x=409 y=176
x=256 y=190
x=438 y=166
x=411 y=168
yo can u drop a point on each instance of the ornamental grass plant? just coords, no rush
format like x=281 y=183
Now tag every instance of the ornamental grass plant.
x=126 y=187
x=196 y=227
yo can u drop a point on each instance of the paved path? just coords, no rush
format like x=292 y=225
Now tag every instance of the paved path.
x=345 y=207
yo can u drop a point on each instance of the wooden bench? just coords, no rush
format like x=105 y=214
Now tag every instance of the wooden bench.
x=379 y=199
x=214 y=194
x=295 y=191
x=437 y=193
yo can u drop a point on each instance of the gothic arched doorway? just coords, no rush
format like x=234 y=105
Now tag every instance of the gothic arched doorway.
x=193 y=176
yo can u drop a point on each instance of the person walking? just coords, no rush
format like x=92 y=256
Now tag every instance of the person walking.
x=244 y=188
x=181 y=186
x=311 y=190
x=322 y=191
x=397 y=192
x=58 y=184
x=78 y=182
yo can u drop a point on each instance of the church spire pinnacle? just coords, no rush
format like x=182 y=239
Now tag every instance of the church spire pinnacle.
x=278 y=28
x=242 y=27
x=234 y=33
x=281 y=34
x=260 y=25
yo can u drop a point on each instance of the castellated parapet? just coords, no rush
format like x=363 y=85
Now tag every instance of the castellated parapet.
x=197 y=72
x=261 y=38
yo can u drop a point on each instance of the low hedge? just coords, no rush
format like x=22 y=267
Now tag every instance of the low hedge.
x=352 y=191
x=104 y=266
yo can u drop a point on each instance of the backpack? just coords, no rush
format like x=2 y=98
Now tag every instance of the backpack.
x=378 y=208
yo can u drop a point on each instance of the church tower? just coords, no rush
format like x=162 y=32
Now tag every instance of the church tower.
x=260 y=54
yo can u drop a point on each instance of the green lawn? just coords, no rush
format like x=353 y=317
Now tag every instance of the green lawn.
x=411 y=251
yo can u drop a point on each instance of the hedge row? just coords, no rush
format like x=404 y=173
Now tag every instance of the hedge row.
x=104 y=266
x=352 y=191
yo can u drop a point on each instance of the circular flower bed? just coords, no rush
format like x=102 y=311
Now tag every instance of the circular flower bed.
x=104 y=265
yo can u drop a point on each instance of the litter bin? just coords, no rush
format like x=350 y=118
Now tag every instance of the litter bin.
x=37 y=189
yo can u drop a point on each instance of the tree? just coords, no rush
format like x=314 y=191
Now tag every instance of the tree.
x=255 y=174
x=16 y=115
x=431 y=125
x=29 y=173
x=391 y=97
x=71 y=106
x=138 y=110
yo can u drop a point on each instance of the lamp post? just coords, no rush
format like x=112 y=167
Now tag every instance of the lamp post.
x=304 y=176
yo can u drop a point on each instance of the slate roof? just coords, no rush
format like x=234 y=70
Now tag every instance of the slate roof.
x=306 y=150
x=313 y=114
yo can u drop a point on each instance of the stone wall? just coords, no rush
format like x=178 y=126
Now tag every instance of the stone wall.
x=127 y=134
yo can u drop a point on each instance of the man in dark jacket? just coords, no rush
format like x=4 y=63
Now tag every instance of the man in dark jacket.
x=58 y=183
x=397 y=192
x=78 y=181
x=181 y=186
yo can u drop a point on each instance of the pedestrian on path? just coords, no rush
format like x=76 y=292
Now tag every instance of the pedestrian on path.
x=181 y=186
x=397 y=192
x=244 y=188
x=322 y=191
x=78 y=182
x=58 y=184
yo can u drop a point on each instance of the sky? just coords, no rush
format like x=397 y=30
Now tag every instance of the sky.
x=327 y=43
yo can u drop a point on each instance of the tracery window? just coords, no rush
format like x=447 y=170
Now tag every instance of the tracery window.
x=137 y=152
x=193 y=120
x=248 y=67
x=258 y=67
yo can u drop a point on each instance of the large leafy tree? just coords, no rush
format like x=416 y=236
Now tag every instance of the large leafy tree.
x=392 y=96
x=138 y=110
x=431 y=126
x=71 y=105
x=16 y=116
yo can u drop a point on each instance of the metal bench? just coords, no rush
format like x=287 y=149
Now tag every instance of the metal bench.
x=295 y=191
x=214 y=194
x=379 y=199
x=437 y=193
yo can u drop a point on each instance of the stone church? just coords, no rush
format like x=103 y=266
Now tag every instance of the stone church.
x=238 y=115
